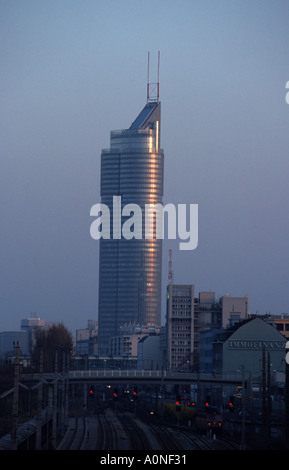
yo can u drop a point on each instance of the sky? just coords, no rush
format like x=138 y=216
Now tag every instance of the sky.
x=72 y=71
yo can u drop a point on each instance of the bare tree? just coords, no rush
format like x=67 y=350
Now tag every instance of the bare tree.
x=55 y=338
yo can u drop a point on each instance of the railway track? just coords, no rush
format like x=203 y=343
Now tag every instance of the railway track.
x=180 y=440
x=74 y=436
x=198 y=442
x=107 y=439
x=108 y=431
x=137 y=438
x=79 y=434
x=166 y=440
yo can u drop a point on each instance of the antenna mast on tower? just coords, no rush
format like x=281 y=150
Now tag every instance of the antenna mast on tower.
x=148 y=80
x=170 y=275
x=153 y=92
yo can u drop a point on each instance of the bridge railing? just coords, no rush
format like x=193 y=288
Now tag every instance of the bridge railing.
x=130 y=375
x=153 y=374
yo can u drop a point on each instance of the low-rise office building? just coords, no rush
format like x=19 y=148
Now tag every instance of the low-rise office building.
x=244 y=344
x=188 y=316
x=86 y=339
x=282 y=324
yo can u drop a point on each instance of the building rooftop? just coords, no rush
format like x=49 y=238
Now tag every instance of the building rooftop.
x=145 y=117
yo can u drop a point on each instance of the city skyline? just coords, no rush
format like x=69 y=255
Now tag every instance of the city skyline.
x=71 y=72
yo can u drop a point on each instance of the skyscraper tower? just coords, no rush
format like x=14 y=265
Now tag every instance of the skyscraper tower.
x=130 y=270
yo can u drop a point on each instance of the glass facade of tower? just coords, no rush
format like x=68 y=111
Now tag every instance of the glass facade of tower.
x=130 y=270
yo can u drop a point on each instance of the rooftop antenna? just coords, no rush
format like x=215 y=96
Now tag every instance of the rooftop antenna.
x=170 y=275
x=148 y=81
x=155 y=89
x=158 y=84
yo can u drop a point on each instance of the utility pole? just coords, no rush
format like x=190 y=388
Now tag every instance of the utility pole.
x=243 y=410
x=62 y=398
x=39 y=404
x=15 y=406
x=162 y=386
x=54 y=403
x=67 y=352
x=268 y=396
x=264 y=401
x=287 y=397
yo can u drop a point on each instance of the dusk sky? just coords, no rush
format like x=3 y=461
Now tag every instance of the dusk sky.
x=72 y=71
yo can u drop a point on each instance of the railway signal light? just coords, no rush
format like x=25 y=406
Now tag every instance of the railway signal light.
x=208 y=401
x=115 y=394
x=91 y=391
x=178 y=403
x=231 y=404
x=135 y=393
